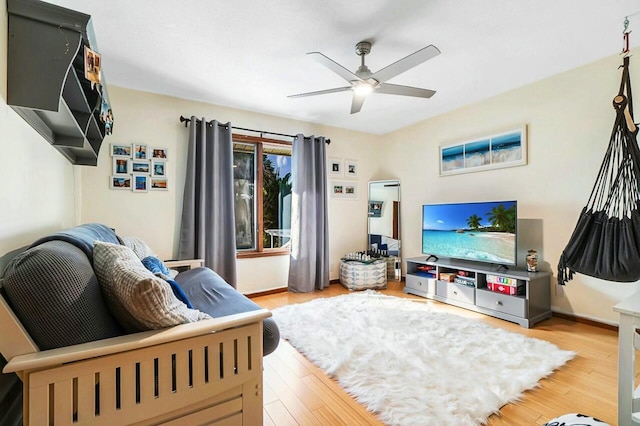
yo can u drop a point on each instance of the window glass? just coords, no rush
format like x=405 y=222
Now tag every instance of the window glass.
x=244 y=183
x=262 y=188
x=276 y=201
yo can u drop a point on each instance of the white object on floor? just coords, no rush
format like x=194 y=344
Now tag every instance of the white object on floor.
x=413 y=364
x=575 y=419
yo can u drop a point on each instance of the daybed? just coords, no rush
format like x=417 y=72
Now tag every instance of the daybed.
x=71 y=330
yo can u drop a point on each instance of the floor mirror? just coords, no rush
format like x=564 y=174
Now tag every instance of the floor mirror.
x=383 y=228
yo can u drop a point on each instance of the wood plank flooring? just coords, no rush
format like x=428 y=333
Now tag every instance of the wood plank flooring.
x=296 y=392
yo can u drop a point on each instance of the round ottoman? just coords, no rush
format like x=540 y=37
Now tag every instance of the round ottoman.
x=575 y=419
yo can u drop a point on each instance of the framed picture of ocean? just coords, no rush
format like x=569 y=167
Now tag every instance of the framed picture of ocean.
x=504 y=149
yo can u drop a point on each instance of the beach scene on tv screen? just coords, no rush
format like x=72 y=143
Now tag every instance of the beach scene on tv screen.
x=485 y=232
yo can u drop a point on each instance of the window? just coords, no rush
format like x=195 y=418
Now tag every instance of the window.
x=262 y=188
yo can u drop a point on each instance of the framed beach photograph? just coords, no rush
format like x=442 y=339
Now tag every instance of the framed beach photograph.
x=140 y=183
x=158 y=168
x=140 y=166
x=500 y=150
x=140 y=152
x=351 y=168
x=121 y=166
x=121 y=150
x=335 y=167
x=120 y=182
x=159 y=184
x=160 y=153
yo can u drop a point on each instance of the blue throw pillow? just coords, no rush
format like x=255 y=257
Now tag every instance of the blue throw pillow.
x=159 y=269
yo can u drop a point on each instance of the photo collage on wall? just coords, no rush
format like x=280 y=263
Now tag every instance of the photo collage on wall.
x=138 y=168
x=339 y=168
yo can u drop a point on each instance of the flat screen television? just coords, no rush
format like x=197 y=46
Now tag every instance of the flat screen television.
x=483 y=232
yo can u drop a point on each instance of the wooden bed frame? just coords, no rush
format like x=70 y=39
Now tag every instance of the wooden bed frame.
x=208 y=372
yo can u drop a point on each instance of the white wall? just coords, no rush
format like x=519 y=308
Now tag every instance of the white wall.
x=37 y=195
x=569 y=117
x=155 y=216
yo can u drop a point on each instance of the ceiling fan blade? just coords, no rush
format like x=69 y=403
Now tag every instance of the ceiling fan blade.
x=358 y=100
x=406 y=63
x=334 y=66
x=395 y=89
x=320 y=92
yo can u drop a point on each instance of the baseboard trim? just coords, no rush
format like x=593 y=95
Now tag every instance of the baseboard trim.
x=277 y=290
x=267 y=292
x=587 y=321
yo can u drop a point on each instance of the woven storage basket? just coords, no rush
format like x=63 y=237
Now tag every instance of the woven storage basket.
x=362 y=276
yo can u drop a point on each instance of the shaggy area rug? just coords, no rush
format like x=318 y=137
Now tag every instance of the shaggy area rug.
x=413 y=364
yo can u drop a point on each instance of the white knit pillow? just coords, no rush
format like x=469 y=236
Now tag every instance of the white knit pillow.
x=138 y=299
x=139 y=247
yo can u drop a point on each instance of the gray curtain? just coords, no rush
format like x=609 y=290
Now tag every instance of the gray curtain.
x=208 y=225
x=309 y=265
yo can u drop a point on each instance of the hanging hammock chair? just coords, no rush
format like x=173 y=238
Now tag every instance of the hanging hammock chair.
x=606 y=241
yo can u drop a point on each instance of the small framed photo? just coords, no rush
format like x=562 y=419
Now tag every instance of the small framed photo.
x=140 y=166
x=140 y=152
x=159 y=184
x=158 y=168
x=335 y=167
x=160 y=153
x=121 y=166
x=375 y=208
x=120 y=182
x=342 y=189
x=351 y=190
x=351 y=168
x=140 y=183
x=337 y=189
x=120 y=150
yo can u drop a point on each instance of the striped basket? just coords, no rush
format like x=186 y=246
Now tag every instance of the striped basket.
x=362 y=276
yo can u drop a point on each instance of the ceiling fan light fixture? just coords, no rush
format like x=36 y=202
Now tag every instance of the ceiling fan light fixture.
x=362 y=88
x=363 y=81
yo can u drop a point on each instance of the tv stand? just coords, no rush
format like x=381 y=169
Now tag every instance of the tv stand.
x=470 y=290
x=432 y=257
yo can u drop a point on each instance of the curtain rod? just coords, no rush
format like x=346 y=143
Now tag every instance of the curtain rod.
x=187 y=120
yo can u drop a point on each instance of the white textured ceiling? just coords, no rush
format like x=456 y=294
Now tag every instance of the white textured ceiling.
x=250 y=54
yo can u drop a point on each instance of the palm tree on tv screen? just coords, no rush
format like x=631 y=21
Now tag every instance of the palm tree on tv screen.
x=474 y=221
x=504 y=220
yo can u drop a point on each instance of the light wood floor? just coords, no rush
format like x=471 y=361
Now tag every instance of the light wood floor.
x=298 y=393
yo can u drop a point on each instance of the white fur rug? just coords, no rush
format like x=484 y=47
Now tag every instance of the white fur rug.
x=412 y=364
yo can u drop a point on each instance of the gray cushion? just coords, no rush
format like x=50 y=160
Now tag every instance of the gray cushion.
x=55 y=294
x=208 y=292
x=137 y=298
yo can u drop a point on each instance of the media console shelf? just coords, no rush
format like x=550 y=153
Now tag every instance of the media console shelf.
x=529 y=306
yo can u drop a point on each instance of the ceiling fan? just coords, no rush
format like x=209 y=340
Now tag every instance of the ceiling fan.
x=363 y=81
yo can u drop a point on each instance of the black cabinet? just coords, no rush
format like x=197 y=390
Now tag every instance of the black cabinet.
x=45 y=78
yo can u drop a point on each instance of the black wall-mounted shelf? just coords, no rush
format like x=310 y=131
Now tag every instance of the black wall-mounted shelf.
x=45 y=77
